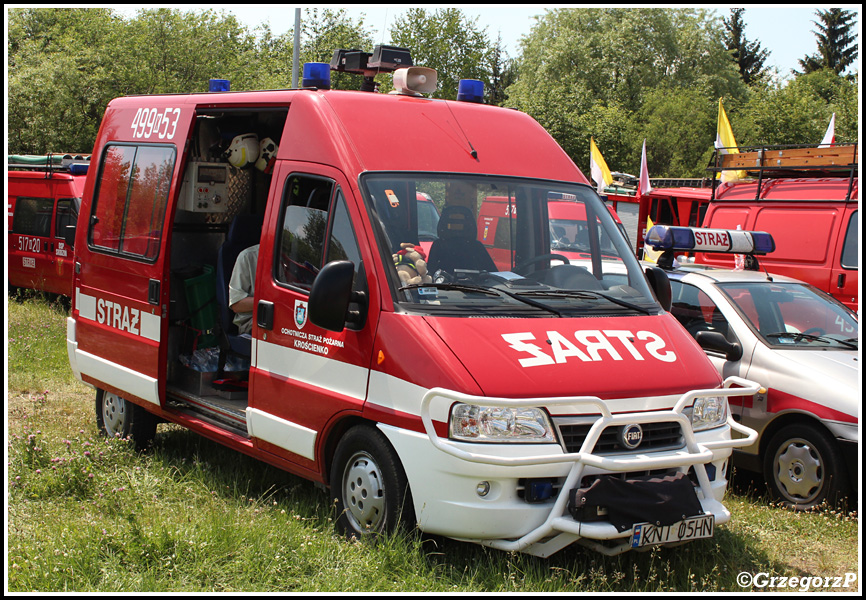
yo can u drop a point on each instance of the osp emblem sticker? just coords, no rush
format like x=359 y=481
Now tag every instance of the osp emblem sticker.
x=300 y=313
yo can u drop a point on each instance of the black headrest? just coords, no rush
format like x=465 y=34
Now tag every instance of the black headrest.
x=457 y=222
x=245 y=230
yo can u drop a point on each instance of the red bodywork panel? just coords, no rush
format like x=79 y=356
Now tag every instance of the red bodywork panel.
x=812 y=224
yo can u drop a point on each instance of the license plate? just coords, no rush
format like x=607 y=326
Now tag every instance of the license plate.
x=693 y=528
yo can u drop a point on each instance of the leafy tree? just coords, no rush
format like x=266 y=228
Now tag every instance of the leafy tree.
x=679 y=127
x=323 y=33
x=837 y=46
x=448 y=41
x=56 y=97
x=749 y=56
x=503 y=73
x=580 y=67
x=798 y=112
x=180 y=51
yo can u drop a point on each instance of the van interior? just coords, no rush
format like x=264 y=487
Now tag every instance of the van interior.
x=220 y=213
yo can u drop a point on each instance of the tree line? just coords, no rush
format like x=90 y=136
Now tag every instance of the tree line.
x=617 y=75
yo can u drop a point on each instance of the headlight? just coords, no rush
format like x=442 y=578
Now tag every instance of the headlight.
x=709 y=412
x=471 y=423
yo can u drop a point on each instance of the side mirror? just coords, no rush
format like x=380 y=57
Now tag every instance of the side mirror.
x=715 y=341
x=69 y=236
x=660 y=285
x=332 y=291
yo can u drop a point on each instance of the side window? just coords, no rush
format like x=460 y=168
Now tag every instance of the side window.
x=850 y=255
x=696 y=311
x=304 y=226
x=33 y=216
x=502 y=239
x=131 y=198
x=67 y=214
x=343 y=244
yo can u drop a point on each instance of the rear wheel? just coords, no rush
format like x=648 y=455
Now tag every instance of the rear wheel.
x=369 y=489
x=803 y=467
x=117 y=417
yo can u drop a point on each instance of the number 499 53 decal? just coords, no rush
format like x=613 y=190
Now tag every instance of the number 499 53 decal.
x=149 y=122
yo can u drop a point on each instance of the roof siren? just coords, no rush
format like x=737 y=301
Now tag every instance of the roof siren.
x=414 y=81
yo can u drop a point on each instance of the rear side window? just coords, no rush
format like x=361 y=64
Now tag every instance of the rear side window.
x=67 y=214
x=33 y=216
x=130 y=200
x=850 y=255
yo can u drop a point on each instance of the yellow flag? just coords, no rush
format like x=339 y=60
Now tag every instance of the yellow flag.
x=598 y=168
x=726 y=144
x=650 y=255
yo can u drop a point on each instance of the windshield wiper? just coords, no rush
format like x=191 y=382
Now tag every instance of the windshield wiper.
x=850 y=342
x=591 y=294
x=463 y=287
x=460 y=287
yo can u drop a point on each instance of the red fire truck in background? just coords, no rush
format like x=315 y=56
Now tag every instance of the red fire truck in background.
x=44 y=196
x=806 y=197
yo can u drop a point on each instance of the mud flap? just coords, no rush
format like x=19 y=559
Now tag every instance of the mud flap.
x=658 y=500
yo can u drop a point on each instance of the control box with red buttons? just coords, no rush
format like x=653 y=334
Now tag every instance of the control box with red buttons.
x=205 y=187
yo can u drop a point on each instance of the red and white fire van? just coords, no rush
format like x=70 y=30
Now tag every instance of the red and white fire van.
x=523 y=406
x=44 y=195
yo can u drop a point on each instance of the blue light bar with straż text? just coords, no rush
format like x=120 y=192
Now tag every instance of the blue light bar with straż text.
x=726 y=241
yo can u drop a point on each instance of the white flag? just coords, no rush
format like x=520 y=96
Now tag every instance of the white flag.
x=830 y=137
x=643 y=186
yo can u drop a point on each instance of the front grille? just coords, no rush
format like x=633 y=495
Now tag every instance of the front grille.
x=656 y=437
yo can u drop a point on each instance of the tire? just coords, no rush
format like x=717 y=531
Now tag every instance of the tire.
x=369 y=489
x=803 y=468
x=117 y=417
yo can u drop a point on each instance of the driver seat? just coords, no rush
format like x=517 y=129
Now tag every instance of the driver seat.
x=458 y=246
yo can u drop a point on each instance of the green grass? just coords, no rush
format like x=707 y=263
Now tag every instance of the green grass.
x=86 y=513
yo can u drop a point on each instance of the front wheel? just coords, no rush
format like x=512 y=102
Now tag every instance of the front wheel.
x=369 y=489
x=803 y=468
x=117 y=417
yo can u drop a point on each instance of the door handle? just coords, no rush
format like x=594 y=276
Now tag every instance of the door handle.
x=840 y=282
x=265 y=314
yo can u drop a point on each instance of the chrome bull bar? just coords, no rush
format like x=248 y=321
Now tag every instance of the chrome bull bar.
x=692 y=455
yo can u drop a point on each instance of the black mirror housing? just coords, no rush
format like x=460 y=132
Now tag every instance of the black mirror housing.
x=660 y=285
x=715 y=341
x=69 y=236
x=331 y=294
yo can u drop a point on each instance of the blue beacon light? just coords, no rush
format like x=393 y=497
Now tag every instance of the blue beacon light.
x=470 y=90
x=317 y=75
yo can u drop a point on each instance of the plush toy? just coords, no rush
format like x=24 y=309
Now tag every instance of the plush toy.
x=411 y=266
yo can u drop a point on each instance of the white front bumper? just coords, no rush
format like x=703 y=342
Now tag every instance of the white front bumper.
x=444 y=482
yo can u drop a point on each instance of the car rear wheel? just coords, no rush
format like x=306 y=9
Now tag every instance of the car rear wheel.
x=369 y=489
x=117 y=417
x=803 y=467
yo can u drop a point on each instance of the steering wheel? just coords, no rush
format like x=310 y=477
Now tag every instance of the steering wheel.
x=540 y=258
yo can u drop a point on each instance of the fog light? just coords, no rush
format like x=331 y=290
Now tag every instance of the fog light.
x=483 y=488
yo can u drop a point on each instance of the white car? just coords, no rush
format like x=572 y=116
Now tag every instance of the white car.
x=801 y=345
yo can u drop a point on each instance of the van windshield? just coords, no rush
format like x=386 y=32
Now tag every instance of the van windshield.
x=497 y=247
